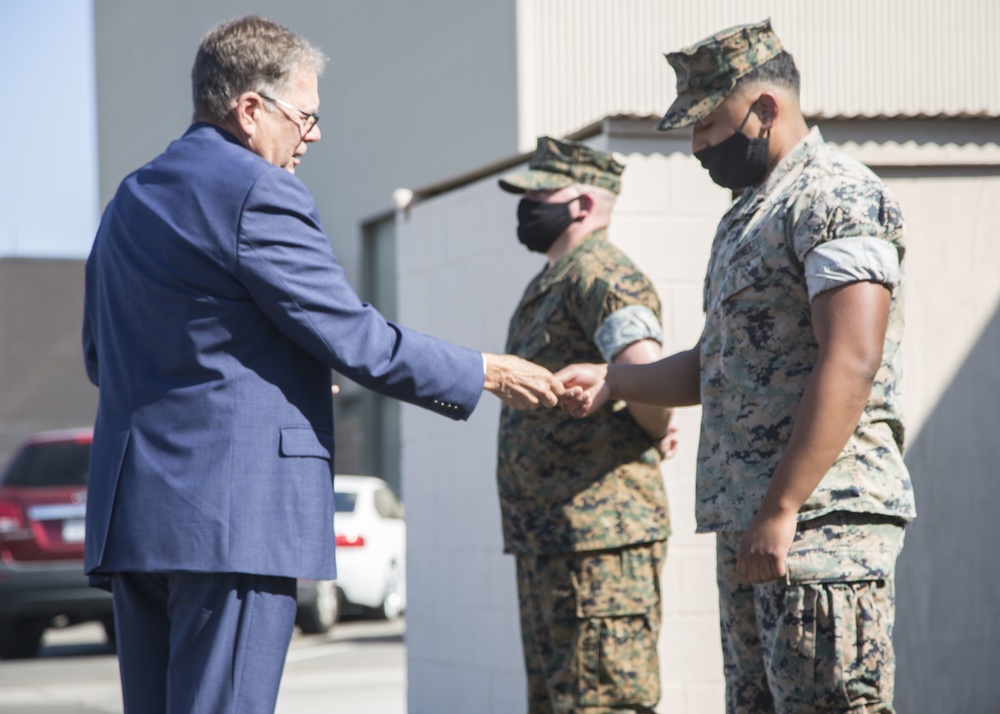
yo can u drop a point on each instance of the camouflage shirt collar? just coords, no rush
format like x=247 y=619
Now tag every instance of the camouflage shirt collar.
x=797 y=156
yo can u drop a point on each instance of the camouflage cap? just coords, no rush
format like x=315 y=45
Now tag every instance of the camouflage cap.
x=708 y=70
x=560 y=163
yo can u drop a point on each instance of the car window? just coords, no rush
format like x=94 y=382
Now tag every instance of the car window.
x=387 y=505
x=54 y=464
x=344 y=501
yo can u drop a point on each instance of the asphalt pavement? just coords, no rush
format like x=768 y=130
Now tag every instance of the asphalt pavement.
x=357 y=668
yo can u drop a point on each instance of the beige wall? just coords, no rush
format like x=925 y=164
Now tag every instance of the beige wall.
x=463 y=646
x=948 y=627
x=582 y=60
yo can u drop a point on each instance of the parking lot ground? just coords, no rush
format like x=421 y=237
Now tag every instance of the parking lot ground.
x=359 y=667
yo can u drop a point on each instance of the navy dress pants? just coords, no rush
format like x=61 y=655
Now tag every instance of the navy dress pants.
x=202 y=643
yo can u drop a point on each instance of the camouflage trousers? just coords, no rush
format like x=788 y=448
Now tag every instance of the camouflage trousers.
x=590 y=622
x=819 y=640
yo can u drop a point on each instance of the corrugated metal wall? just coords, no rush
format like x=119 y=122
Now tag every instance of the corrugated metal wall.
x=581 y=60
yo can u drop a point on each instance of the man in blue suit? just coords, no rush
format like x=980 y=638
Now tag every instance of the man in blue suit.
x=214 y=312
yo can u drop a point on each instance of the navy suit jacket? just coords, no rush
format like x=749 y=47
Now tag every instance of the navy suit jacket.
x=214 y=311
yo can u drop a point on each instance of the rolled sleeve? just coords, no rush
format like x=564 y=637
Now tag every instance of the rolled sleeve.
x=626 y=326
x=850 y=260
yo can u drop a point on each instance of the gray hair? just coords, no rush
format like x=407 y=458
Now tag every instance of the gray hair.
x=248 y=54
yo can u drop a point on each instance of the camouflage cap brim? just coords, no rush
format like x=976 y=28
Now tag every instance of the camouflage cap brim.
x=534 y=180
x=690 y=108
x=708 y=71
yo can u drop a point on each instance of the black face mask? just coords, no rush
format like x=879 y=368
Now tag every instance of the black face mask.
x=737 y=162
x=539 y=224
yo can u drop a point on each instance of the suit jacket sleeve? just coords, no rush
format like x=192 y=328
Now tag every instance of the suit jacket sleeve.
x=286 y=263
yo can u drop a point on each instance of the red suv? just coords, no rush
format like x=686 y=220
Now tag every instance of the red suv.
x=43 y=499
x=43 y=503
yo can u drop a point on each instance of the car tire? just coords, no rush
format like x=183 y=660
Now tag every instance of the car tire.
x=392 y=603
x=317 y=616
x=19 y=639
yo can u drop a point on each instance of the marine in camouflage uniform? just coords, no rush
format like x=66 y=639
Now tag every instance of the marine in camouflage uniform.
x=583 y=503
x=819 y=639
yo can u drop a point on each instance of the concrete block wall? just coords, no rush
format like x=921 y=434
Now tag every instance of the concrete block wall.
x=462 y=273
x=463 y=639
x=459 y=263
x=947 y=635
x=665 y=221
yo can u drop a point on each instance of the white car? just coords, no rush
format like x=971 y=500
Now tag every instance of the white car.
x=371 y=545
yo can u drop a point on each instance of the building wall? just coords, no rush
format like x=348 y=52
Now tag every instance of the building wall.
x=581 y=60
x=948 y=627
x=417 y=93
x=461 y=275
x=44 y=385
x=462 y=272
x=406 y=99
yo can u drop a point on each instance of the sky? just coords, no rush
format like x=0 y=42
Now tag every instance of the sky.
x=49 y=186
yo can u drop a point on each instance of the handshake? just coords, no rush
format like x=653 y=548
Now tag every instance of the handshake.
x=579 y=389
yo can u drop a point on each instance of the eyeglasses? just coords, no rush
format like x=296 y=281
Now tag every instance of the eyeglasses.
x=308 y=120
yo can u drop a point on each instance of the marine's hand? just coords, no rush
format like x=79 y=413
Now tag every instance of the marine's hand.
x=587 y=388
x=765 y=545
x=668 y=444
x=521 y=384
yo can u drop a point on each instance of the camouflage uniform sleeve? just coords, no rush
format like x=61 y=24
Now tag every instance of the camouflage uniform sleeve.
x=618 y=309
x=850 y=260
x=626 y=326
x=845 y=234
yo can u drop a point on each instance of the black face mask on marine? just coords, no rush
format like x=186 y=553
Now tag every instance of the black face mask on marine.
x=737 y=162
x=539 y=224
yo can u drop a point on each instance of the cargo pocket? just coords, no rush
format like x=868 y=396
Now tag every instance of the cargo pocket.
x=832 y=646
x=619 y=664
x=618 y=606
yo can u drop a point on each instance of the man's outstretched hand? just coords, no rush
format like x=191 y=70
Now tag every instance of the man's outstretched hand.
x=521 y=384
x=586 y=388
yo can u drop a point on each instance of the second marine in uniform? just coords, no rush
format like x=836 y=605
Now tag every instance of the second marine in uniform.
x=583 y=503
